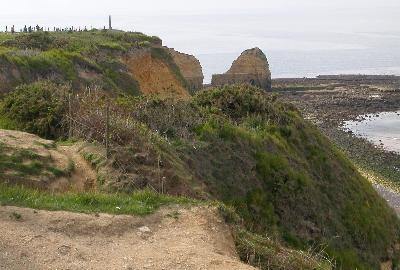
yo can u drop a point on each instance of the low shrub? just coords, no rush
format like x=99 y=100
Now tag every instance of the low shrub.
x=37 y=108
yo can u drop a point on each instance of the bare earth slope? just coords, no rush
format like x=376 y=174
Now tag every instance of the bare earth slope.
x=80 y=177
x=169 y=239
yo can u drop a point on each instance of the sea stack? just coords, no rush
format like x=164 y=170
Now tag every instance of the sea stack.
x=250 y=68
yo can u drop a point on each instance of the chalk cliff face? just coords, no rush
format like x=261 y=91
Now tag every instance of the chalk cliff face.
x=250 y=68
x=190 y=68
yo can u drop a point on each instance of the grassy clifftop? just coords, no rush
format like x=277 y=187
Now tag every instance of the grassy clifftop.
x=83 y=59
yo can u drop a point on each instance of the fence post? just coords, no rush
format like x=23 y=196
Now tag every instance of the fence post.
x=159 y=173
x=70 y=134
x=107 y=130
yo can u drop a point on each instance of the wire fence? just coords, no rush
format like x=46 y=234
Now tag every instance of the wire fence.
x=97 y=119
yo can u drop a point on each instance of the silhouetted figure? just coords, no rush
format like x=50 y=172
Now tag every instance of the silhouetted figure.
x=13 y=29
x=25 y=29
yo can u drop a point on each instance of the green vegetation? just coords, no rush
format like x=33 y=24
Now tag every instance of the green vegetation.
x=236 y=144
x=83 y=59
x=36 y=108
x=138 y=203
x=239 y=145
x=6 y=123
x=266 y=253
x=86 y=42
x=16 y=163
x=284 y=178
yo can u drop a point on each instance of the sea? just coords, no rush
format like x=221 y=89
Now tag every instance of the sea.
x=382 y=129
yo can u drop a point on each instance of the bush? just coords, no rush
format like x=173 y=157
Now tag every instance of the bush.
x=37 y=108
x=37 y=40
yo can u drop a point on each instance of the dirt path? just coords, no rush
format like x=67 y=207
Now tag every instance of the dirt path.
x=170 y=239
x=83 y=177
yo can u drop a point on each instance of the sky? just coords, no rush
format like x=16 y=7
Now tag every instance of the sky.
x=177 y=6
x=384 y=13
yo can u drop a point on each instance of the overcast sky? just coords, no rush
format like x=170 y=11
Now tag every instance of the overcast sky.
x=177 y=6
x=66 y=8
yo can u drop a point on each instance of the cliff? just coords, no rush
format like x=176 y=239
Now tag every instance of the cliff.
x=191 y=69
x=155 y=72
x=251 y=67
x=114 y=61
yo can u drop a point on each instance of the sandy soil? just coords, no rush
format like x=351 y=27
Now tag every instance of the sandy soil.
x=83 y=177
x=169 y=239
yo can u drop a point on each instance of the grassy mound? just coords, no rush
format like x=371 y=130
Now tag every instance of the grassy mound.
x=284 y=177
x=83 y=59
x=241 y=146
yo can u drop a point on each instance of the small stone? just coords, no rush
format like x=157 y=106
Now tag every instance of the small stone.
x=144 y=229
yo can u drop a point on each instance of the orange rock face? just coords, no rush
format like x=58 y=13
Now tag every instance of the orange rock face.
x=190 y=68
x=153 y=75
x=251 y=68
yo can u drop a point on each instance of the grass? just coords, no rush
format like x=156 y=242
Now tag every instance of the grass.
x=95 y=160
x=25 y=162
x=265 y=253
x=65 y=56
x=139 y=203
x=85 y=41
x=241 y=146
x=6 y=123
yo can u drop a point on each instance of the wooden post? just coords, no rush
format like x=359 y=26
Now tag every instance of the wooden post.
x=107 y=131
x=70 y=133
x=159 y=173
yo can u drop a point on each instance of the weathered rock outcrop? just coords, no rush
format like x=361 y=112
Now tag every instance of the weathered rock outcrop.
x=155 y=73
x=191 y=69
x=251 y=68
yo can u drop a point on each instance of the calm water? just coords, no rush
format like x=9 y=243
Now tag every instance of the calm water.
x=382 y=129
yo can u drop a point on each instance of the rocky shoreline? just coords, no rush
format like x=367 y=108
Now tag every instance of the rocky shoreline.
x=328 y=101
